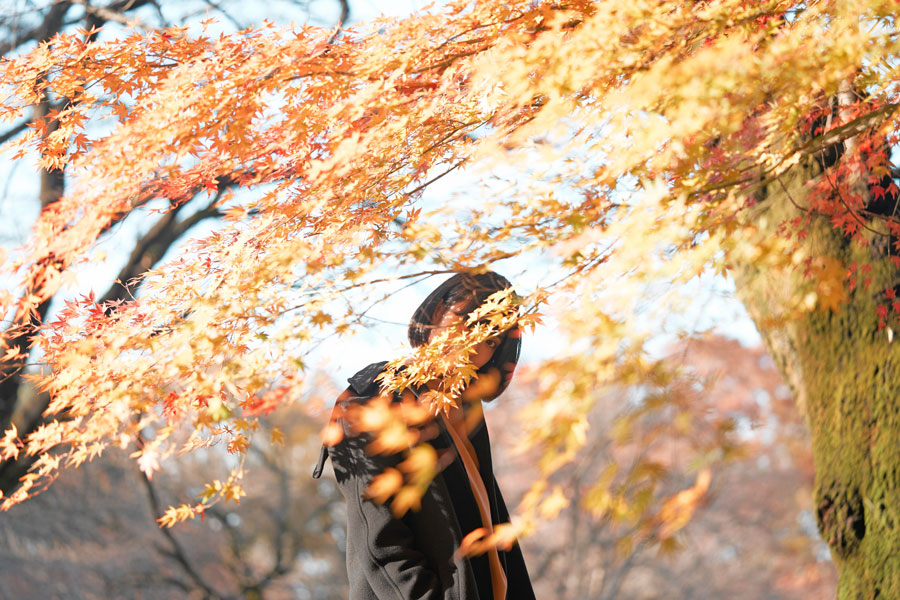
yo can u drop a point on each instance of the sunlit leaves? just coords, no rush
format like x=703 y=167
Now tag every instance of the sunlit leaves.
x=632 y=138
x=229 y=490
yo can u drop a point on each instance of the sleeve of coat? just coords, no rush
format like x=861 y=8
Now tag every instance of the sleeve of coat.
x=394 y=568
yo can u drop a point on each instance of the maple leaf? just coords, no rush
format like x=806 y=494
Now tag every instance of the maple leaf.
x=10 y=444
x=239 y=444
x=277 y=436
x=148 y=461
x=384 y=485
x=407 y=498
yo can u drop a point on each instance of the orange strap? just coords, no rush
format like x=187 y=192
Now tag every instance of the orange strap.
x=467 y=454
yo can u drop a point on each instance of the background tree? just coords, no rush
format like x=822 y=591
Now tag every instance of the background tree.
x=655 y=143
x=96 y=531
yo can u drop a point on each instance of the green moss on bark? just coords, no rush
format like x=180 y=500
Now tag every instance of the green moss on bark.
x=845 y=372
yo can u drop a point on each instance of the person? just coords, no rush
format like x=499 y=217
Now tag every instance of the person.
x=415 y=556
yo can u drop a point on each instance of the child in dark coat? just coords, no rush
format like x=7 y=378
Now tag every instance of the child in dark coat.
x=414 y=557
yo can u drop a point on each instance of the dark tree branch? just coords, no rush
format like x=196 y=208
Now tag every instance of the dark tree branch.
x=14 y=131
x=345 y=12
x=115 y=12
x=152 y=247
x=51 y=189
x=149 y=249
x=51 y=25
x=177 y=552
x=53 y=181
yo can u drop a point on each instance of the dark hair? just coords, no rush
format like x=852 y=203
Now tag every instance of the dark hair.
x=474 y=289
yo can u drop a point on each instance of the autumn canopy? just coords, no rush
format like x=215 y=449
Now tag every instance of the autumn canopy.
x=626 y=147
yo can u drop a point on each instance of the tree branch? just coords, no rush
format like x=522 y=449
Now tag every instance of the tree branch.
x=809 y=148
x=16 y=130
x=50 y=26
x=847 y=130
x=114 y=12
x=150 y=249
x=345 y=12
x=177 y=552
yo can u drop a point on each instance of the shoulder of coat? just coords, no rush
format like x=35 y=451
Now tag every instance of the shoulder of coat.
x=363 y=383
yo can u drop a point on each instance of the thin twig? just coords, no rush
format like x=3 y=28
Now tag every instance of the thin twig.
x=840 y=195
x=430 y=181
x=790 y=197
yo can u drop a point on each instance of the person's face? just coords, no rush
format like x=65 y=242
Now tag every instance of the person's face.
x=454 y=317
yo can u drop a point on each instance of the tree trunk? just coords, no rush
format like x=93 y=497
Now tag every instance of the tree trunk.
x=844 y=371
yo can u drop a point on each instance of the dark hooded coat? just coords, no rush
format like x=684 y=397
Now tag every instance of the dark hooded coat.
x=413 y=557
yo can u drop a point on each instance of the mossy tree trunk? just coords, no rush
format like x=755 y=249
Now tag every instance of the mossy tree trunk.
x=844 y=370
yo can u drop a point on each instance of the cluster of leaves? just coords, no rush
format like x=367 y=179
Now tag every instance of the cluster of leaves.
x=658 y=117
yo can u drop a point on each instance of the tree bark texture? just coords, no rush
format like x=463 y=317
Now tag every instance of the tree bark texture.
x=844 y=371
